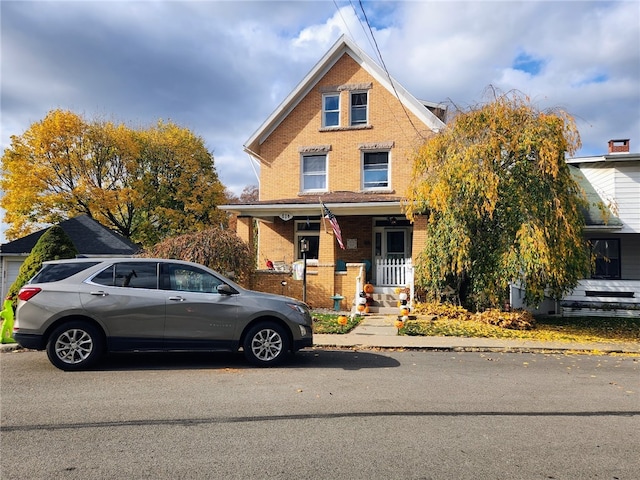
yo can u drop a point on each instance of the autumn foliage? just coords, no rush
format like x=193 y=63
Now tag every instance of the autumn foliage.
x=500 y=204
x=514 y=320
x=218 y=249
x=146 y=184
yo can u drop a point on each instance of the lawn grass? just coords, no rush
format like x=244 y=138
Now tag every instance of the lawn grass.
x=328 y=323
x=546 y=328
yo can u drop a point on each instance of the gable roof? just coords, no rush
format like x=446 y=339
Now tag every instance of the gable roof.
x=88 y=236
x=343 y=46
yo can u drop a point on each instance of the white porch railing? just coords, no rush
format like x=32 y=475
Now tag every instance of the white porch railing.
x=598 y=297
x=394 y=272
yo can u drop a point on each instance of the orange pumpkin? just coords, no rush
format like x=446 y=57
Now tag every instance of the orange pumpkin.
x=368 y=288
x=361 y=307
x=404 y=312
x=342 y=320
x=399 y=324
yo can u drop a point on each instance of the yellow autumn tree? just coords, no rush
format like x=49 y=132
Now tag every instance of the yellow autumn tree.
x=146 y=184
x=500 y=204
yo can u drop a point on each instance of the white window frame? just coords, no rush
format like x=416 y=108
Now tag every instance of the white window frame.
x=352 y=122
x=325 y=111
x=362 y=169
x=304 y=175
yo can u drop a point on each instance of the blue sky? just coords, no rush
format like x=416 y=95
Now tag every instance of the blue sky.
x=220 y=68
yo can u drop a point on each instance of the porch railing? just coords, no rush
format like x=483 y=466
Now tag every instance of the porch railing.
x=394 y=272
x=594 y=296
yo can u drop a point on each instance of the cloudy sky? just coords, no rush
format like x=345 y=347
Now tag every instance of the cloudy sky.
x=220 y=68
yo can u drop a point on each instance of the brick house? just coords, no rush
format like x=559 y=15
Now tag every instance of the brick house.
x=345 y=136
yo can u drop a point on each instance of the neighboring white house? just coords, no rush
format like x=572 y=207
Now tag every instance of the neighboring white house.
x=90 y=238
x=614 y=287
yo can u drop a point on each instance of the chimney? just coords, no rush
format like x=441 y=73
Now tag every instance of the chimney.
x=619 y=146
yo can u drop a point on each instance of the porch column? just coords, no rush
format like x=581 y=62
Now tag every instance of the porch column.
x=419 y=236
x=246 y=232
x=322 y=286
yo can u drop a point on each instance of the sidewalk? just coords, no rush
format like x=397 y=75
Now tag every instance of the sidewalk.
x=379 y=332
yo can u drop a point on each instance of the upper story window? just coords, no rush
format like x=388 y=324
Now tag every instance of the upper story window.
x=375 y=170
x=359 y=108
x=607 y=255
x=314 y=172
x=331 y=110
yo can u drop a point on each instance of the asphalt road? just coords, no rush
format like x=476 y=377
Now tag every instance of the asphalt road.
x=323 y=415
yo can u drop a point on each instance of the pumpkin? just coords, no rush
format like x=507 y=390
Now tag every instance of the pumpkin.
x=342 y=320
x=368 y=288
x=399 y=324
x=404 y=312
x=361 y=307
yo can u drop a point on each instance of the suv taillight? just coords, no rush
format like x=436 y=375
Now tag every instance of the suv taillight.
x=27 y=293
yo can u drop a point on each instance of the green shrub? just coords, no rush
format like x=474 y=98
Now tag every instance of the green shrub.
x=54 y=244
x=218 y=249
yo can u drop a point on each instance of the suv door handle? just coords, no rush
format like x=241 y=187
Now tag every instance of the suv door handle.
x=177 y=299
x=99 y=294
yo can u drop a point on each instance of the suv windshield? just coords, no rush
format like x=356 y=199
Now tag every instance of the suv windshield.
x=55 y=272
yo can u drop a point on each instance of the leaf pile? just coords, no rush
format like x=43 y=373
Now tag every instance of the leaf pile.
x=515 y=320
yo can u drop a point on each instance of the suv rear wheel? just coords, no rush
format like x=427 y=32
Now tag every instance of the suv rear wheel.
x=266 y=344
x=74 y=346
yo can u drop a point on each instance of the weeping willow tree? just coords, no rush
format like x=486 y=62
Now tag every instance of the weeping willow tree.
x=500 y=204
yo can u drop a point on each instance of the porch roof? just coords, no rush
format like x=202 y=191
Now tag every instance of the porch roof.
x=340 y=204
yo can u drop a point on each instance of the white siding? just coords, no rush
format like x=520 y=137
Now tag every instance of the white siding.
x=627 y=190
x=10 y=269
x=618 y=185
x=602 y=180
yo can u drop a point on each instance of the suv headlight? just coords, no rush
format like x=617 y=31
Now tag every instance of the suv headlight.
x=298 y=308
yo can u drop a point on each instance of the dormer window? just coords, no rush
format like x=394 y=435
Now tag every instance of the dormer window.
x=331 y=110
x=359 y=110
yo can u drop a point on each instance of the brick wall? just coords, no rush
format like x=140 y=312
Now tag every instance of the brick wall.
x=318 y=293
x=388 y=122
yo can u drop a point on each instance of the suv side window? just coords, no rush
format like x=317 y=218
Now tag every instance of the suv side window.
x=186 y=278
x=55 y=272
x=129 y=274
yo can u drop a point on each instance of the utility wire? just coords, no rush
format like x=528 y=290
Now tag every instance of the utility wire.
x=384 y=66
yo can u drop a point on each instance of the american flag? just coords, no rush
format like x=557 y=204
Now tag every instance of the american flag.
x=334 y=224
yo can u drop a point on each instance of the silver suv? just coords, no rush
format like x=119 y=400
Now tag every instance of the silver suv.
x=81 y=308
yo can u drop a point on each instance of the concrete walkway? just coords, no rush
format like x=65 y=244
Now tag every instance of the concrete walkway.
x=379 y=332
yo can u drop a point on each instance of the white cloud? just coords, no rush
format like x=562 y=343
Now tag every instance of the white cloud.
x=221 y=67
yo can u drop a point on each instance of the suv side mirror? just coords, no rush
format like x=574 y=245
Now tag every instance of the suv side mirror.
x=225 y=289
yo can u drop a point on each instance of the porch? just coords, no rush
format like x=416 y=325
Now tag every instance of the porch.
x=595 y=297
x=324 y=281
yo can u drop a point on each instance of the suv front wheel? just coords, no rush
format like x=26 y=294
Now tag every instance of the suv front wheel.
x=74 y=346
x=266 y=344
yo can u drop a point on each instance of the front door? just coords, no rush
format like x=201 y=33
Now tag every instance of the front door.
x=391 y=243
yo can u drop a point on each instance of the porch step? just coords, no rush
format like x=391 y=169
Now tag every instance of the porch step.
x=385 y=301
x=383 y=310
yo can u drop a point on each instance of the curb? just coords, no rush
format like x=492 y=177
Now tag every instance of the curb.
x=9 y=347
